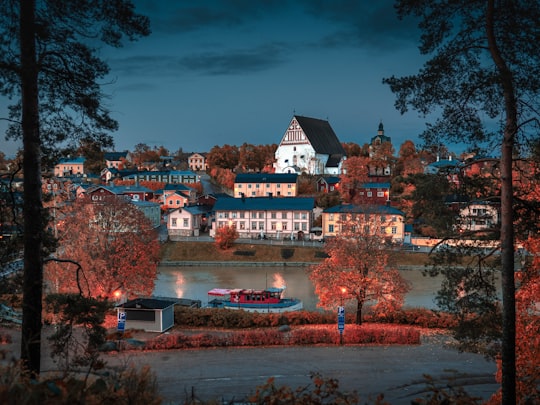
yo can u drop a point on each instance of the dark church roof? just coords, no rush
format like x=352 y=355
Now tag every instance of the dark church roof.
x=321 y=136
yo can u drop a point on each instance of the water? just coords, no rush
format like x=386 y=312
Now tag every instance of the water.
x=195 y=282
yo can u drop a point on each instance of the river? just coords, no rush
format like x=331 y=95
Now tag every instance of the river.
x=195 y=282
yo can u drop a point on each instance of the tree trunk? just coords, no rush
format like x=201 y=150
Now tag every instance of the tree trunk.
x=359 y=306
x=508 y=350
x=32 y=208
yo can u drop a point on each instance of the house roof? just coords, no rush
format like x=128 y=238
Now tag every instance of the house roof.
x=177 y=187
x=265 y=203
x=330 y=179
x=115 y=156
x=376 y=185
x=266 y=178
x=147 y=303
x=321 y=136
x=76 y=161
x=363 y=209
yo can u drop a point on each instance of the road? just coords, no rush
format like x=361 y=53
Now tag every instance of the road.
x=233 y=374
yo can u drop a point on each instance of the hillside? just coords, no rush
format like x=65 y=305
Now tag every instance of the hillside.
x=208 y=251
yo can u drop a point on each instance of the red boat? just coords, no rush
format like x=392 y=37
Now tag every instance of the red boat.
x=267 y=300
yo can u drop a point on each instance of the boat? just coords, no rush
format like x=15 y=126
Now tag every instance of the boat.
x=269 y=300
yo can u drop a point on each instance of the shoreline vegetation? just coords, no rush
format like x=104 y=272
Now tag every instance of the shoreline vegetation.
x=189 y=253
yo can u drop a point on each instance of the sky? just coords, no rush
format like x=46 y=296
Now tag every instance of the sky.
x=216 y=72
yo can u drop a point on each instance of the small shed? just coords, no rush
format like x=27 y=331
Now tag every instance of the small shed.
x=149 y=314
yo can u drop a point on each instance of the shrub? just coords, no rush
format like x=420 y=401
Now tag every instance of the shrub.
x=287 y=253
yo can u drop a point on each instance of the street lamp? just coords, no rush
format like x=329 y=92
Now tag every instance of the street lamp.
x=341 y=315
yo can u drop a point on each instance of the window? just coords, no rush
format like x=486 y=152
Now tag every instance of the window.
x=253 y=214
x=297 y=226
x=242 y=225
x=284 y=226
x=186 y=222
x=383 y=218
x=394 y=230
x=249 y=185
x=257 y=185
x=304 y=215
x=254 y=226
x=331 y=228
x=289 y=185
x=380 y=193
x=370 y=194
x=278 y=185
x=273 y=226
x=331 y=217
x=242 y=214
x=296 y=215
x=261 y=225
x=261 y=215
x=343 y=217
x=304 y=226
x=173 y=222
x=253 y=193
x=383 y=230
x=283 y=215
x=273 y=215
x=267 y=185
x=233 y=214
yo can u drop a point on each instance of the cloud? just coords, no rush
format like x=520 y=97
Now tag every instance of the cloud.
x=236 y=61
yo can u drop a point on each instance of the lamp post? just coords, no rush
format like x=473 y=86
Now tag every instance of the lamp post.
x=341 y=315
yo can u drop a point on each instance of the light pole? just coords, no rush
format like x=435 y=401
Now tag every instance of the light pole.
x=341 y=315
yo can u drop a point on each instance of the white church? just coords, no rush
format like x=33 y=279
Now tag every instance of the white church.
x=309 y=146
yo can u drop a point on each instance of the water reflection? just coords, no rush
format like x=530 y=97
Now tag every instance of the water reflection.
x=195 y=282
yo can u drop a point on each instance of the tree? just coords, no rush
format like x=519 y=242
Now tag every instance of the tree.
x=485 y=64
x=115 y=246
x=357 y=268
x=225 y=157
x=225 y=237
x=49 y=66
x=355 y=174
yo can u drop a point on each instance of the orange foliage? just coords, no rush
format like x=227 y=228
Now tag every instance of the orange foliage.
x=357 y=269
x=114 y=245
x=225 y=237
x=355 y=175
x=527 y=327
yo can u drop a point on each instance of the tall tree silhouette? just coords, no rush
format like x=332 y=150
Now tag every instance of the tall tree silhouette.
x=49 y=67
x=485 y=65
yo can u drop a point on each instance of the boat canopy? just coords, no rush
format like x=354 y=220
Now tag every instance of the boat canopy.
x=220 y=292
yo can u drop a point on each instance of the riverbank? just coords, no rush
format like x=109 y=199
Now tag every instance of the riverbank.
x=258 y=254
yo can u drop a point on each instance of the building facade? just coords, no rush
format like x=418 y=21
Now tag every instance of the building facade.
x=381 y=220
x=70 y=167
x=265 y=185
x=265 y=217
x=310 y=146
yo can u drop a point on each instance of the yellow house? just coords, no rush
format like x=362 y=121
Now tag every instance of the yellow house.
x=265 y=185
x=383 y=220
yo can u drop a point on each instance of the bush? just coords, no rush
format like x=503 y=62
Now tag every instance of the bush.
x=287 y=253
x=244 y=253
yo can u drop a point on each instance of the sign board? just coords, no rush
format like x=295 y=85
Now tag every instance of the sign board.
x=341 y=318
x=121 y=321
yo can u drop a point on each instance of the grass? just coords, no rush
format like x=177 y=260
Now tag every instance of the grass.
x=208 y=251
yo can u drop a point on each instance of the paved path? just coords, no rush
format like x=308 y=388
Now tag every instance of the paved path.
x=233 y=374
x=228 y=374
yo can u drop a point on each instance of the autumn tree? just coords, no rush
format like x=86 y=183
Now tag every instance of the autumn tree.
x=357 y=268
x=224 y=157
x=354 y=176
x=115 y=245
x=485 y=65
x=225 y=237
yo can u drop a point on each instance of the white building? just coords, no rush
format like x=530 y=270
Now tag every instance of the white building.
x=310 y=146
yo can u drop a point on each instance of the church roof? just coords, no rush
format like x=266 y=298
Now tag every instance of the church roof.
x=321 y=136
